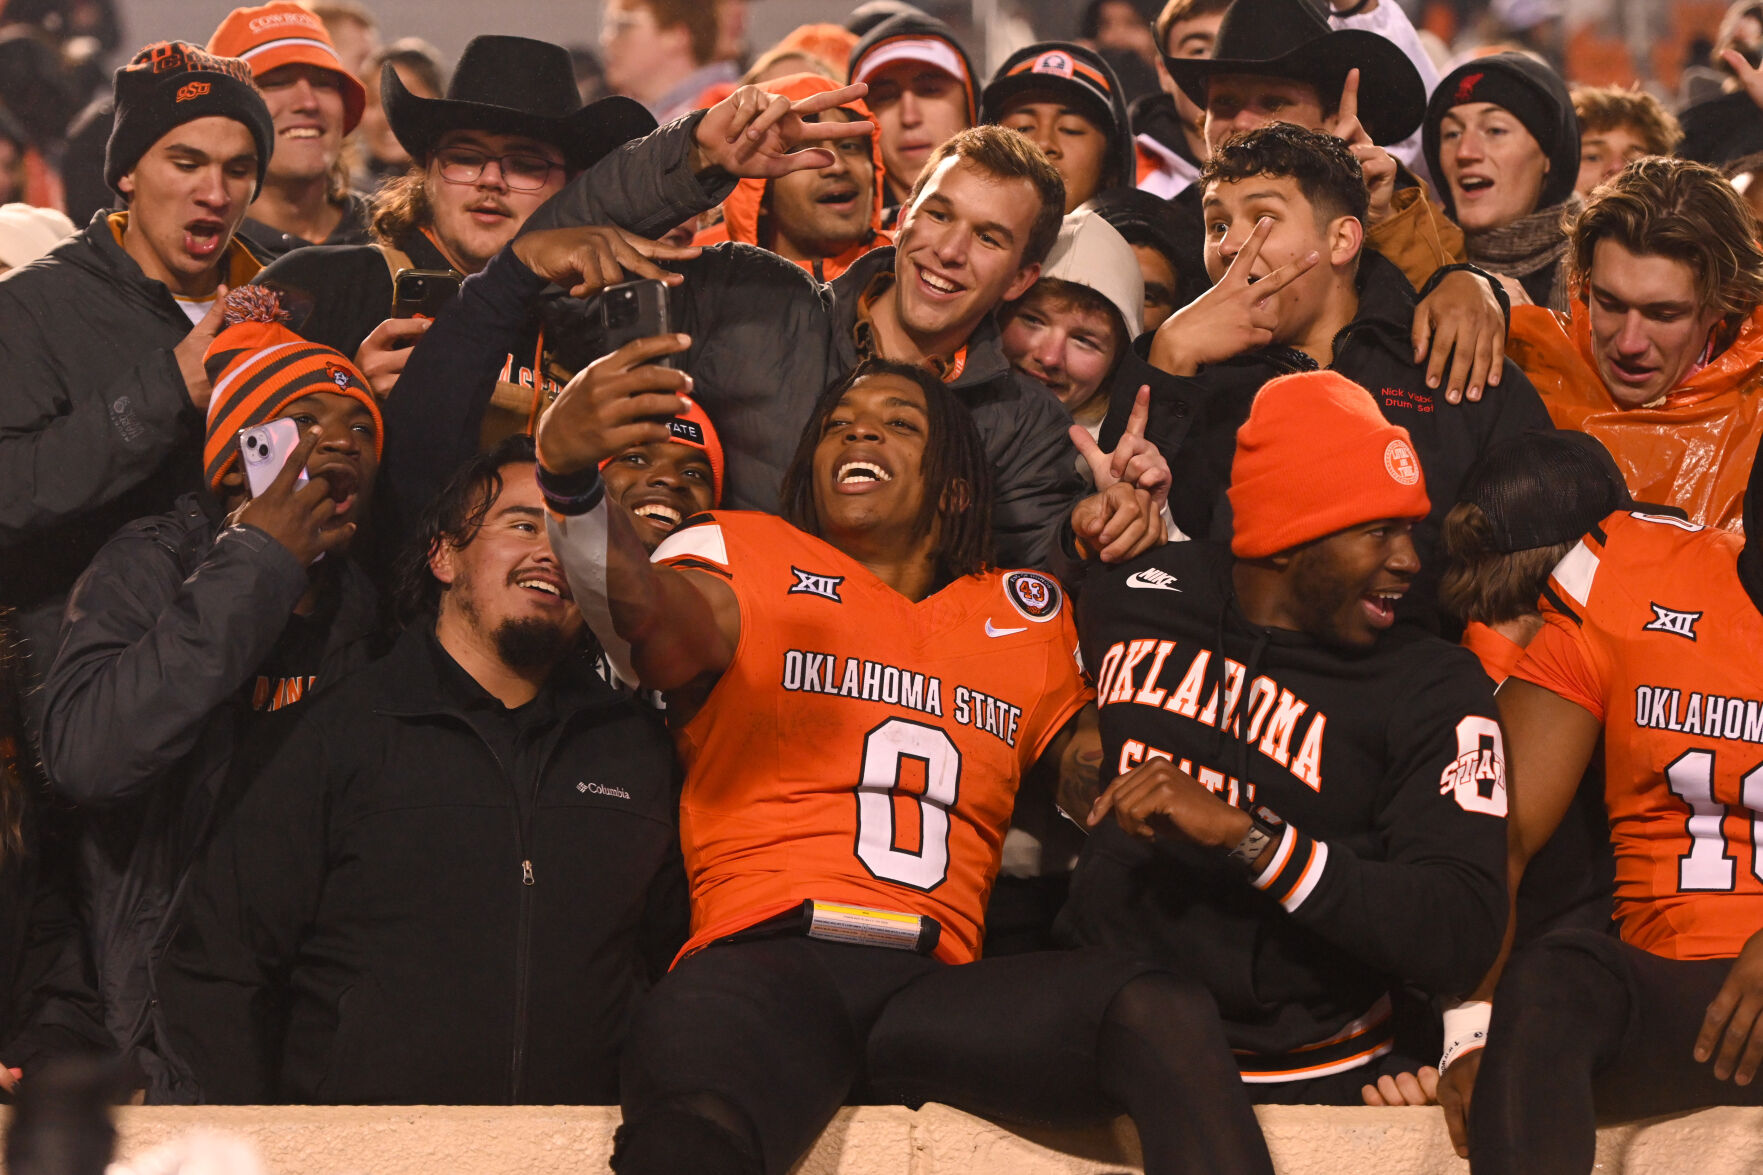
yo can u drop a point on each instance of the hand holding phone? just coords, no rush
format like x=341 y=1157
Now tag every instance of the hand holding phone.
x=634 y=310
x=264 y=449
x=422 y=292
x=295 y=510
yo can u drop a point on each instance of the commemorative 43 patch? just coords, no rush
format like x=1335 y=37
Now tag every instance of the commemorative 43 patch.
x=1036 y=596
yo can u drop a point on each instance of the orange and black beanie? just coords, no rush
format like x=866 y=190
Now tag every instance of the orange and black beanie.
x=259 y=367
x=171 y=83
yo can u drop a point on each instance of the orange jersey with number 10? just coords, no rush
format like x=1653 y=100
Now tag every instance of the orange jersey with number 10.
x=862 y=748
x=1649 y=628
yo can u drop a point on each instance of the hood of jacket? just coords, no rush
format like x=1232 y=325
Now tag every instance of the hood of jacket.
x=909 y=26
x=97 y=249
x=744 y=208
x=1551 y=93
x=1021 y=72
x=1691 y=449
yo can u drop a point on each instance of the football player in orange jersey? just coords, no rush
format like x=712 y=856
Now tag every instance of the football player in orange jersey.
x=1653 y=643
x=856 y=696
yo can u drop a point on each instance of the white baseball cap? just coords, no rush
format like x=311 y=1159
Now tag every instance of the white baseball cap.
x=933 y=51
x=27 y=232
x=1091 y=252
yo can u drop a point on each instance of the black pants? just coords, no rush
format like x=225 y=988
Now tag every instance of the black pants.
x=740 y=1056
x=1585 y=1028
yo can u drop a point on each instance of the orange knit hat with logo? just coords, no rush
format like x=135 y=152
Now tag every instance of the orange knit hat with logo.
x=282 y=33
x=1314 y=457
x=260 y=367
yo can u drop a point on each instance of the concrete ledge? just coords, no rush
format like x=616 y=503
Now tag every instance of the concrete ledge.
x=1305 y=1140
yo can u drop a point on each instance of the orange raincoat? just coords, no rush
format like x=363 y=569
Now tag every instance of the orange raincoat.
x=741 y=211
x=1692 y=449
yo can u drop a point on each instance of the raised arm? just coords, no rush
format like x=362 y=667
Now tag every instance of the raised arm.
x=663 y=627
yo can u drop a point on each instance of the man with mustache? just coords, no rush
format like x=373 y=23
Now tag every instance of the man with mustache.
x=509 y=133
x=457 y=874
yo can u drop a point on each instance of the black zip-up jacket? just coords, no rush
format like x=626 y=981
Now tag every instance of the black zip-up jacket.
x=141 y=723
x=1386 y=765
x=96 y=426
x=269 y=242
x=395 y=912
x=1194 y=420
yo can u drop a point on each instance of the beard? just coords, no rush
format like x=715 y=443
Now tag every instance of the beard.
x=531 y=642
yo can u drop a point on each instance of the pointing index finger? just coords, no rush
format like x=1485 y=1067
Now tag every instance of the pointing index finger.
x=1141 y=412
x=1349 y=108
x=815 y=103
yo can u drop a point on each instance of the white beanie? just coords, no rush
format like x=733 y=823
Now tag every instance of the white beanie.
x=1091 y=252
x=27 y=232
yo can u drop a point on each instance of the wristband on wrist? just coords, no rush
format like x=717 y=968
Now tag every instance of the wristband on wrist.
x=570 y=494
x=1466 y=1029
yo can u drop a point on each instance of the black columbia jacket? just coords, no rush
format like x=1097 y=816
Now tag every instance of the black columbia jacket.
x=401 y=911
x=1194 y=421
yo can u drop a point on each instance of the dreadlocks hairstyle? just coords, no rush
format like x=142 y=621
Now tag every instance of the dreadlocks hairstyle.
x=957 y=473
x=1321 y=165
x=454 y=516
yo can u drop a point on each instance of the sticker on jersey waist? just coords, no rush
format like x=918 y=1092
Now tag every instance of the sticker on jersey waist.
x=1676 y=623
x=1032 y=594
x=809 y=583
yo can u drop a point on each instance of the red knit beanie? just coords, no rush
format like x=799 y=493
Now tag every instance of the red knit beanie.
x=1314 y=457
x=259 y=367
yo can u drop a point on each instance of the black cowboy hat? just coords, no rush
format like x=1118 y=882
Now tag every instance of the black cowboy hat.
x=515 y=86
x=1289 y=39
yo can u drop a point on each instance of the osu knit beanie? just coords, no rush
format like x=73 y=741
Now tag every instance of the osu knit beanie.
x=692 y=427
x=270 y=36
x=1315 y=457
x=259 y=367
x=171 y=83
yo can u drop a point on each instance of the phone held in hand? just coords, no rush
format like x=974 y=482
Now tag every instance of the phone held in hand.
x=264 y=449
x=634 y=310
x=422 y=293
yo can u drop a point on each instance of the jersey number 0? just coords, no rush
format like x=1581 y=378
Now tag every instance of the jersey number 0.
x=885 y=751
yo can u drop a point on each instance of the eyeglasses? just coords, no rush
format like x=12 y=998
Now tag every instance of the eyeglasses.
x=523 y=173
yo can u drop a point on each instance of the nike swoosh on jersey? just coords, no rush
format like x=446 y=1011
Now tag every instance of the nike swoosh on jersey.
x=992 y=631
x=1152 y=578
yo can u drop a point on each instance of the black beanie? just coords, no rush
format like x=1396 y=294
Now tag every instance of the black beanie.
x=1518 y=98
x=171 y=83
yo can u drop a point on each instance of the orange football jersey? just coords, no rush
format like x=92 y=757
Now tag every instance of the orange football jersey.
x=1649 y=628
x=861 y=748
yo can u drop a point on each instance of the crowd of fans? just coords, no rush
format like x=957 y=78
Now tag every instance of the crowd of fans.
x=733 y=583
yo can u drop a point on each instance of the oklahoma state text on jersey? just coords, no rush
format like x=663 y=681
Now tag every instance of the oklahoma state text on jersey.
x=1386 y=764
x=862 y=748
x=1650 y=629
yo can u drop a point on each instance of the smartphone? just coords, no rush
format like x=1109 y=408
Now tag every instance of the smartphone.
x=422 y=292
x=634 y=310
x=265 y=449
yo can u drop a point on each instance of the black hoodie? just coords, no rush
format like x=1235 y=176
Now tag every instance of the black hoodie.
x=1384 y=762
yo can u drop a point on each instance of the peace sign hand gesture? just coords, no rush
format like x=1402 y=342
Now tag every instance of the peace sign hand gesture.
x=755 y=134
x=1238 y=314
x=1378 y=165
